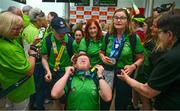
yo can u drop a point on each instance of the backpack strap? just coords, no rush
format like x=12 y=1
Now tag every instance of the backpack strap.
x=48 y=44
x=96 y=81
x=133 y=42
x=13 y=86
x=69 y=82
x=106 y=40
x=68 y=47
x=2 y=37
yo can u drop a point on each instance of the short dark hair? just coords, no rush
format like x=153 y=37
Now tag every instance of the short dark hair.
x=78 y=29
x=54 y=14
x=170 y=22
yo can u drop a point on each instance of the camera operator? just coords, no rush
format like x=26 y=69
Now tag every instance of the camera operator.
x=163 y=8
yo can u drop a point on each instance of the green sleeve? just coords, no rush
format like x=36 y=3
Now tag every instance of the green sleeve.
x=29 y=33
x=82 y=45
x=14 y=59
x=43 y=47
x=17 y=62
x=26 y=20
x=103 y=44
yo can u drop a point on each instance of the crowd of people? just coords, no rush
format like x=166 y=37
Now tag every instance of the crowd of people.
x=84 y=66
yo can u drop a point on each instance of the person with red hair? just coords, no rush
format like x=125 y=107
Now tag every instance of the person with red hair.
x=82 y=85
x=92 y=42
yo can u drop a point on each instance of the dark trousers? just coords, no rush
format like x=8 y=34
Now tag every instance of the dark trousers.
x=123 y=97
x=55 y=77
x=105 y=106
x=37 y=99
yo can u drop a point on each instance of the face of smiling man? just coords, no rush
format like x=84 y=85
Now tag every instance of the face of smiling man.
x=82 y=63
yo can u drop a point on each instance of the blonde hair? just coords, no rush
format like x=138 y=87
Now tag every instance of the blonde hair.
x=164 y=45
x=7 y=21
x=128 y=29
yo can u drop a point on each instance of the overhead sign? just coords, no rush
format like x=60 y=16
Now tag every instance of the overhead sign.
x=105 y=2
x=83 y=3
x=20 y=1
x=75 y=1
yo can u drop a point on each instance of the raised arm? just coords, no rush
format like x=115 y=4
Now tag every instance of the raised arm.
x=58 y=89
x=105 y=89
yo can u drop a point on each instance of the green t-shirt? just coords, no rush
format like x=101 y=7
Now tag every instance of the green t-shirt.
x=126 y=56
x=26 y=20
x=75 y=47
x=65 y=58
x=92 y=50
x=143 y=72
x=165 y=77
x=29 y=33
x=13 y=67
x=49 y=29
x=83 y=94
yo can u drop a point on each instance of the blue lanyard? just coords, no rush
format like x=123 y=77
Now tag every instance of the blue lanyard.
x=90 y=73
x=117 y=45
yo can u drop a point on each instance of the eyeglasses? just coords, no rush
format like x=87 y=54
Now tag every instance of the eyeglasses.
x=160 y=30
x=120 y=18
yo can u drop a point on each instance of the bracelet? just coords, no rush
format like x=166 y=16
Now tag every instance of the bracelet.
x=33 y=55
x=33 y=47
x=101 y=77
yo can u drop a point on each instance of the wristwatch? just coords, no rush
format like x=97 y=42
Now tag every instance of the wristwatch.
x=33 y=47
x=101 y=77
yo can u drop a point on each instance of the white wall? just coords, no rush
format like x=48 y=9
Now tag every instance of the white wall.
x=128 y=3
x=46 y=7
x=4 y=4
x=60 y=7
